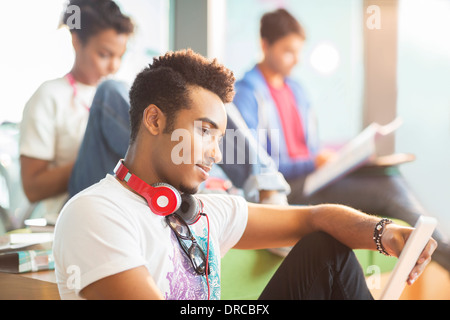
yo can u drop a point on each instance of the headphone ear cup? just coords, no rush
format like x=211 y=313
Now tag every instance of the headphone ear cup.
x=165 y=199
x=189 y=210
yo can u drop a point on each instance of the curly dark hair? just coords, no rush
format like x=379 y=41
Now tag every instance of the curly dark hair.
x=168 y=81
x=278 y=24
x=97 y=16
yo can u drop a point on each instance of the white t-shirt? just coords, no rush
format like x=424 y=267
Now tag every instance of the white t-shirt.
x=53 y=125
x=107 y=229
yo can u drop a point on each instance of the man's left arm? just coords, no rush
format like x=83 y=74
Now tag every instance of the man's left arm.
x=280 y=226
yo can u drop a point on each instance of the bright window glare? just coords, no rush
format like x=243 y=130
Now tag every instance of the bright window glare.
x=325 y=58
x=424 y=101
x=427 y=25
x=36 y=51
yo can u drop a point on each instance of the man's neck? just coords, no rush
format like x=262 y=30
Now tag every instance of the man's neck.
x=139 y=165
x=131 y=165
x=273 y=78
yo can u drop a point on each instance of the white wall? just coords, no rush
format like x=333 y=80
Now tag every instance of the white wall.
x=424 y=101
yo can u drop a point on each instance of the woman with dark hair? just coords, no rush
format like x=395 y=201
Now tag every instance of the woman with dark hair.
x=55 y=117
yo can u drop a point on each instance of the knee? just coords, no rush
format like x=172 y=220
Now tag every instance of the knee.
x=111 y=90
x=111 y=85
x=319 y=239
x=322 y=244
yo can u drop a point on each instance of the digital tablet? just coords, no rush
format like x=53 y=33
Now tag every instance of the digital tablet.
x=408 y=258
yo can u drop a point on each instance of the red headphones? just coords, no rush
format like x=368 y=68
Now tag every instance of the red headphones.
x=162 y=198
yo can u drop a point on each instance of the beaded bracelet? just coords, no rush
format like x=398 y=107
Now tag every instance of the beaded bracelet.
x=378 y=233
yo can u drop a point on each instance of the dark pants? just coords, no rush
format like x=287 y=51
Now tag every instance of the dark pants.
x=318 y=268
x=379 y=191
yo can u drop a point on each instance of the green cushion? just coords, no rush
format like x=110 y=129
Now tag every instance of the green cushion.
x=372 y=258
x=245 y=273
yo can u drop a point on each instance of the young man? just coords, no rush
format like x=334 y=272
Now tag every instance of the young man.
x=112 y=241
x=108 y=133
x=269 y=98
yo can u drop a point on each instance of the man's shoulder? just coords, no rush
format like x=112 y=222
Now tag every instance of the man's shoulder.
x=294 y=83
x=107 y=183
x=103 y=204
x=250 y=79
x=104 y=192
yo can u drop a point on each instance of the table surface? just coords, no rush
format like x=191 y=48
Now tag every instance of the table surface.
x=29 y=286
